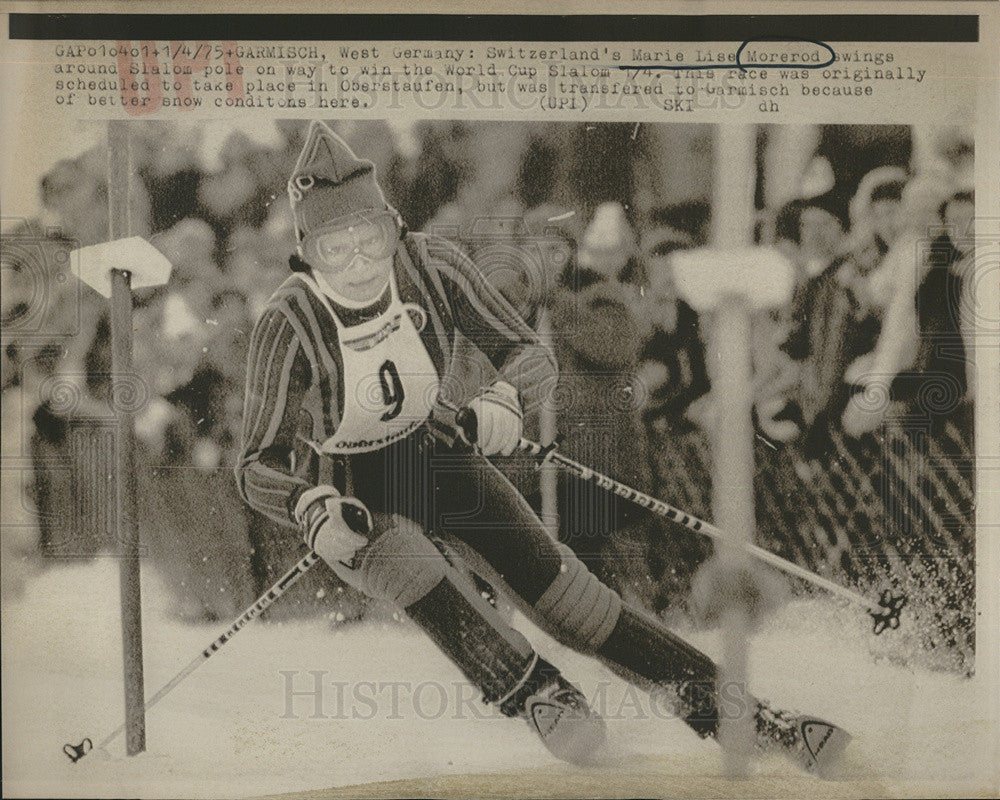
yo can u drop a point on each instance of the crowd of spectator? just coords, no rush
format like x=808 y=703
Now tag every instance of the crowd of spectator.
x=876 y=330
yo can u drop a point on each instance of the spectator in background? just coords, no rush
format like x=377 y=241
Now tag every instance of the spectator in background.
x=923 y=337
x=176 y=316
x=675 y=385
x=811 y=233
x=672 y=359
x=256 y=258
x=835 y=318
x=884 y=210
x=943 y=307
x=55 y=372
x=27 y=362
x=584 y=283
x=877 y=220
x=598 y=334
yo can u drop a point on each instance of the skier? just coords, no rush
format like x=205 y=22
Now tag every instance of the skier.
x=346 y=365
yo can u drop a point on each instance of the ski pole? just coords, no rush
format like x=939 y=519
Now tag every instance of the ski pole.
x=76 y=752
x=885 y=612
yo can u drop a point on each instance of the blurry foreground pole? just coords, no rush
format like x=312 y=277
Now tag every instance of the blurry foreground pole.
x=732 y=502
x=114 y=269
x=722 y=282
x=119 y=176
x=729 y=364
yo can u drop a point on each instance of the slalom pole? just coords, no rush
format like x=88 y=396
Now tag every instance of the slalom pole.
x=885 y=611
x=126 y=486
x=76 y=752
x=730 y=369
x=115 y=269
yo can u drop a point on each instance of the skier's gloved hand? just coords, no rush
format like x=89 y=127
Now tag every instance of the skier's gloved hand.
x=335 y=527
x=498 y=419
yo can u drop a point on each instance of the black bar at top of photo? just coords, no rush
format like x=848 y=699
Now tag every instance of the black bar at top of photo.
x=498 y=27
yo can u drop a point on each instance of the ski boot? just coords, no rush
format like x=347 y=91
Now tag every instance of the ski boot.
x=814 y=744
x=559 y=713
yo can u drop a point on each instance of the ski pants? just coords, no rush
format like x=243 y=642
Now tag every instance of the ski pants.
x=429 y=491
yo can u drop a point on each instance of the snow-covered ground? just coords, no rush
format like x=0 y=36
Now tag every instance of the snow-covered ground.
x=391 y=707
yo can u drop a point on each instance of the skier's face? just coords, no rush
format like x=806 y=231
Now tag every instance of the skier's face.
x=959 y=219
x=820 y=235
x=355 y=259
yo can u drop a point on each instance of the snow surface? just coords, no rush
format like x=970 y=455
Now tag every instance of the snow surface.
x=224 y=731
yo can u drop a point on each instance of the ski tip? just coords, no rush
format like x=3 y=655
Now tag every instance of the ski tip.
x=823 y=746
x=572 y=733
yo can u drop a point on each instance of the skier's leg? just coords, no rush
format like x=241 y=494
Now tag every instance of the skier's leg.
x=494 y=528
x=640 y=649
x=488 y=520
x=402 y=565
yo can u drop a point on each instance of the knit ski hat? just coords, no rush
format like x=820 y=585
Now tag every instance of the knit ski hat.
x=329 y=181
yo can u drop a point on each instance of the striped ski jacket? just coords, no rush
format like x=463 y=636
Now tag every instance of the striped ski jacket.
x=294 y=388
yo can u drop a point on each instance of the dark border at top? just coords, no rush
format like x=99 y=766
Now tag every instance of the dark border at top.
x=498 y=27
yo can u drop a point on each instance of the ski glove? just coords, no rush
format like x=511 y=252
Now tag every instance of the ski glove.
x=335 y=527
x=498 y=419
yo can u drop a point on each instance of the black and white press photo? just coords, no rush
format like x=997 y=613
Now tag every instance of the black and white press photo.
x=400 y=452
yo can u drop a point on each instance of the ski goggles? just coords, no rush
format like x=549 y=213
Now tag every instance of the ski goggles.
x=373 y=237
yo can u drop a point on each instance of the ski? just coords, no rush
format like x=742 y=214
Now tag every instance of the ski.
x=814 y=744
